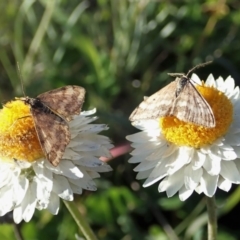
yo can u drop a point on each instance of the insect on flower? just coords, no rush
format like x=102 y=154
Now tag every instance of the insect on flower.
x=51 y=112
x=181 y=99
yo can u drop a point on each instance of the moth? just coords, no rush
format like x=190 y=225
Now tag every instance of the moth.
x=181 y=99
x=51 y=112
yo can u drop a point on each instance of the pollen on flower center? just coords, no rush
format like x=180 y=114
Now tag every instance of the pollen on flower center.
x=18 y=137
x=188 y=134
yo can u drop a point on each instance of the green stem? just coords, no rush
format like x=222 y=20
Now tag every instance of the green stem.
x=80 y=220
x=212 y=218
x=17 y=232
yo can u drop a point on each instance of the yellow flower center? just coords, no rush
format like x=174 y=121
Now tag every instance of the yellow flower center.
x=18 y=137
x=188 y=134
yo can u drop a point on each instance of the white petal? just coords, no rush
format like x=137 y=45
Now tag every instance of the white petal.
x=62 y=188
x=66 y=168
x=151 y=125
x=196 y=79
x=147 y=148
x=233 y=140
x=140 y=137
x=144 y=175
x=208 y=184
x=184 y=157
x=20 y=189
x=6 y=201
x=93 y=174
x=43 y=173
x=70 y=154
x=229 y=82
x=192 y=177
x=90 y=161
x=237 y=163
x=199 y=189
x=76 y=189
x=103 y=168
x=159 y=172
x=5 y=176
x=29 y=202
x=228 y=154
x=220 y=84
x=85 y=183
x=145 y=165
x=230 y=172
x=43 y=193
x=212 y=165
x=237 y=108
x=89 y=112
x=198 y=160
x=161 y=151
x=224 y=184
x=210 y=81
x=215 y=152
x=234 y=95
x=237 y=151
x=164 y=151
x=17 y=214
x=172 y=183
x=54 y=203
x=93 y=128
x=184 y=193
x=86 y=146
x=138 y=159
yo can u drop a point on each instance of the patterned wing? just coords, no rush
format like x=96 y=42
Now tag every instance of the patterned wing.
x=157 y=105
x=53 y=134
x=190 y=106
x=65 y=101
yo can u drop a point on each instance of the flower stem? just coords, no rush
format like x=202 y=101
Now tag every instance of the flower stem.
x=212 y=218
x=17 y=232
x=80 y=220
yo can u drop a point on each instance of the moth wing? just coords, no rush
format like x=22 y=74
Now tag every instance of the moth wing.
x=157 y=105
x=190 y=106
x=65 y=101
x=53 y=134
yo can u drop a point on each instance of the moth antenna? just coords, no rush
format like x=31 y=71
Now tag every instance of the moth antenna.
x=198 y=66
x=176 y=74
x=21 y=79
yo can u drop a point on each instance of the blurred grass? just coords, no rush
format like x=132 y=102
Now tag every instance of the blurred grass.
x=119 y=50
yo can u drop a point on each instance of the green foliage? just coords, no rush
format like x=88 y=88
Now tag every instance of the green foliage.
x=7 y=232
x=119 y=50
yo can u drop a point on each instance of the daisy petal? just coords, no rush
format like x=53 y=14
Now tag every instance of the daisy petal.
x=192 y=177
x=171 y=184
x=184 y=193
x=211 y=81
x=209 y=184
x=230 y=172
x=54 y=204
x=224 y=184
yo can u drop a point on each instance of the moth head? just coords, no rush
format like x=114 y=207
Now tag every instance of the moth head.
x=26 y=100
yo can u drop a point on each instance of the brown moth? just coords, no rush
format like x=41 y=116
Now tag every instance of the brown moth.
x=51 y=112
x=181 y=99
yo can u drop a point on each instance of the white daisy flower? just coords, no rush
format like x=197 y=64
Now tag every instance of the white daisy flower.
x=34 y=182
x=187 y=157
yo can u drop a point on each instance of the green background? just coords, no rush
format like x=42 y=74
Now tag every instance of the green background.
x=119 y=51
